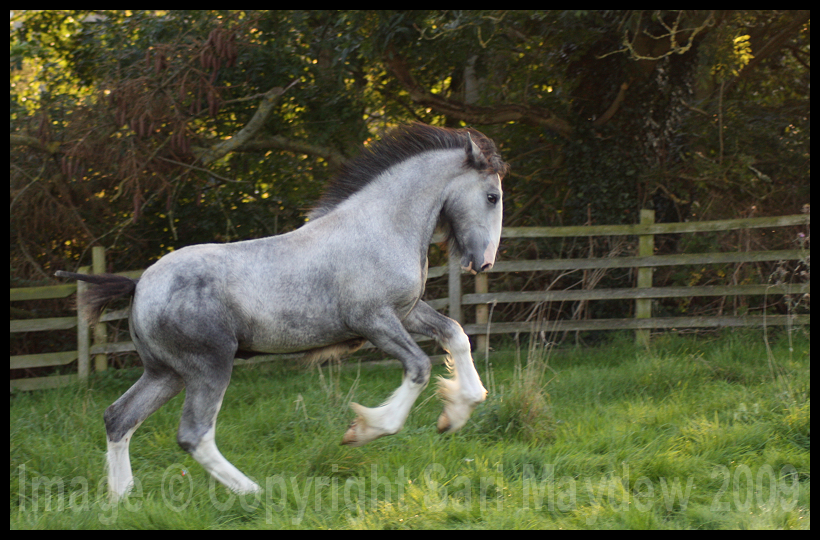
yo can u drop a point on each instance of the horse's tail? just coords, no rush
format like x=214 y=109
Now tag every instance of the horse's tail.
x=107 y=287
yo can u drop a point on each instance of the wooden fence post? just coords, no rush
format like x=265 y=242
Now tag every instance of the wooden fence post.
x=100 y=331
x=83 y=341
x=482 y=312
x=643 y=306
x=454 y=287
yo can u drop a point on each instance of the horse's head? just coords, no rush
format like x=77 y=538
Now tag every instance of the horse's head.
x=473 y=208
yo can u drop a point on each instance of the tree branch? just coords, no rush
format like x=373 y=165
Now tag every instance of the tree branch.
x=21 y=139
x=473 y=114
x=245 y=140
x=613 y=108
x=245 y=134
x=799 y=19
x=277 y=142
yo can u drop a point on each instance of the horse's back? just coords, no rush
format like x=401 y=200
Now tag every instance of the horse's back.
x=257 y=295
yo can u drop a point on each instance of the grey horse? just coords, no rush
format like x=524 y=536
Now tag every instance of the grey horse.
x=354 y=272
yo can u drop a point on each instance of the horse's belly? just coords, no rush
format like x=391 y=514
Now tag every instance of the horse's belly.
x=292 y=334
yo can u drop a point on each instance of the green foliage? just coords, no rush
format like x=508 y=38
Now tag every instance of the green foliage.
x=603 y=182
x=600 y=113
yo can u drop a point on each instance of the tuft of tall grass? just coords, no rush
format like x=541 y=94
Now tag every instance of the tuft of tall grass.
x=521 y=408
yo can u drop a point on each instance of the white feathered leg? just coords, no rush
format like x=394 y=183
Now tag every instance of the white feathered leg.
x=464 y=391
x=120 y=478
x=387 y=419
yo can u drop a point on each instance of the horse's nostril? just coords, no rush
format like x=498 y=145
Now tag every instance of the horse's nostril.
x=486 y=267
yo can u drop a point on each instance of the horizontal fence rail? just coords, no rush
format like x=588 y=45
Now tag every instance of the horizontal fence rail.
x=94 y=342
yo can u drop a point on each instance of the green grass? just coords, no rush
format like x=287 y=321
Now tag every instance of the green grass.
x=697 y=433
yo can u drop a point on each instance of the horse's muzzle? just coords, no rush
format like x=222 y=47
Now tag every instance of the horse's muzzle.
x=487 y=260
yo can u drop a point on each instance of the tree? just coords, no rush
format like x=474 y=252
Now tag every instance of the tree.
x=149 y=130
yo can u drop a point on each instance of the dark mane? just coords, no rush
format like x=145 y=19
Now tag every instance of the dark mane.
x=399 y=145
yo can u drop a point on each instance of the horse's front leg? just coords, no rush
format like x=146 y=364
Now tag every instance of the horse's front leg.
x=387 y=333
x=464 y=391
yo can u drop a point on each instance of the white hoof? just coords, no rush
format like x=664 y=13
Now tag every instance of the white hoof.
x=363 y=429
x=457 y=406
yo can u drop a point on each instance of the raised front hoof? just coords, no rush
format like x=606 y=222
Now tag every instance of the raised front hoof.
x=443 y=425
x=352 y=436
x=360 y=431
x=455 y=416
x=450 y=422
x=458 y=405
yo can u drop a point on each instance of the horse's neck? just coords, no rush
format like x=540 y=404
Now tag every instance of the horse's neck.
x=409 y=196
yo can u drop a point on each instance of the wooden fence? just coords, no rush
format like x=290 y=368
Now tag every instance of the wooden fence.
x=645 y=261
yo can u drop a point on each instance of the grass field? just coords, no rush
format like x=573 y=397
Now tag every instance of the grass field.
x=709 y=432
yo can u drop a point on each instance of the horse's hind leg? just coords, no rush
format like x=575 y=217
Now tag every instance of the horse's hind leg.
x=148 y=394
x=203 y=399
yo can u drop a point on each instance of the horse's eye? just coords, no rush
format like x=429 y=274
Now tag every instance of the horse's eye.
x=492 y=198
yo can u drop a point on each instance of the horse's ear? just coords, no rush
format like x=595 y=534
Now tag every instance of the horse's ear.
x=475 y=157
